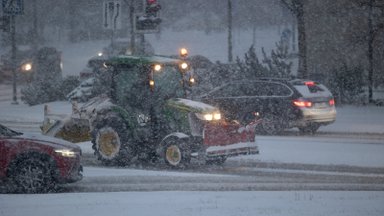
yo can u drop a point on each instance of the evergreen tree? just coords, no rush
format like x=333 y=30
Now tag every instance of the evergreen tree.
x=347 y=85
x=277 y=63
x=251 y=67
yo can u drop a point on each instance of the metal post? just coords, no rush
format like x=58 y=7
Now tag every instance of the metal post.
x=370 y=52
x=230 y=57
x=34 y=30
x=13 y=41
x=131 y=14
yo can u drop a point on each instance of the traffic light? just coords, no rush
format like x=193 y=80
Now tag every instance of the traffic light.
x=149 y=21
x=145 y=24
x=152 y=8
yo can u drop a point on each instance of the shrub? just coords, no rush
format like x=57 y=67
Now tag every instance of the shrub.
x=42 y=91
x=347 y=85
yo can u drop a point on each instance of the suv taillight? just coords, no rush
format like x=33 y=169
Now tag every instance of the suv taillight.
x=332 y=102
x=309 y=83
x=302 y=103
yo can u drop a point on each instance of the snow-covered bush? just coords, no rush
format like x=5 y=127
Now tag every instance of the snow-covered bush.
x=251 y=67
x=276 y=65
x=347 y=85
x=43 y=91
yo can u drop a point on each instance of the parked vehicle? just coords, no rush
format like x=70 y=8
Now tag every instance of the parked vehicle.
x=36 y=163
x=147 y=116
x=280 y=103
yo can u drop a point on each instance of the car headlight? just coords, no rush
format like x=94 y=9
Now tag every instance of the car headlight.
x=66 y=152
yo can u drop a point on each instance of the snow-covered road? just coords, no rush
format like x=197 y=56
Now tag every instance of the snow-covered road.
x=285 y=163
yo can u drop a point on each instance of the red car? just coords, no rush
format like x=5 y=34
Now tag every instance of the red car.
x=36 y=163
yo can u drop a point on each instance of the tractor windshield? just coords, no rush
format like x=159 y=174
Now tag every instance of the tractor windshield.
x=141 y=86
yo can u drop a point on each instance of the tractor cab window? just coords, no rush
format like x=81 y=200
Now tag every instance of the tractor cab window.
x=140 y=86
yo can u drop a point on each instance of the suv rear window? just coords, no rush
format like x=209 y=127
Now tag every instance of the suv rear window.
x=262 y=89
x=311 y=89
x=253 y=89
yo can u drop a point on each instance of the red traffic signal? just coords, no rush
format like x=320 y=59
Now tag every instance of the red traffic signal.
x=152 y=7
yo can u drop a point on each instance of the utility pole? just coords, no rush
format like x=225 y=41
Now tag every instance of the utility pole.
x=297 y=8
x=34 y=26
x=132 y=31
x=13 y=57
x=230 y=56
x=13 y=8
x=370 y=52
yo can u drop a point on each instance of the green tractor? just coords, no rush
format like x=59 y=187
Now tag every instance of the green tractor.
x=147 y=116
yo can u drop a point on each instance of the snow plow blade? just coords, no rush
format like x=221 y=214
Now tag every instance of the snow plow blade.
x=237 y=149
x=230 y=139
x=65 y=127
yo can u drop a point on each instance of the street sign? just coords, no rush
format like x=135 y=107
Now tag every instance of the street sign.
x=112 y=15
x=13 y=7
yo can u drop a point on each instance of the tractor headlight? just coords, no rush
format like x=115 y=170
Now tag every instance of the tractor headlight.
x=209 y=116
x=217 y=116
x=26 y=67
x=184 y=65
x=66 y=152
x=183 y=52
x=157 y=67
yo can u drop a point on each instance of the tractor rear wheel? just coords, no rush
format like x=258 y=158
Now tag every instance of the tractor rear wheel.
x=112 y=142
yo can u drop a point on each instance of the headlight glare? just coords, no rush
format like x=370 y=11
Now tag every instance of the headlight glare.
x=66 y=152
x=217 y=116
x=208 y=117
x=184 y=66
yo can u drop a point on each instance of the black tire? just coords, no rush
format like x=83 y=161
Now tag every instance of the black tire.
x=112 y=142
x=176 y=153
x=272 y=124
x=310 y=129
x=216 y=161
x=32 y=174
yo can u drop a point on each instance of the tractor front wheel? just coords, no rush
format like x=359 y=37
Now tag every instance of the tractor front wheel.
x=176 y=153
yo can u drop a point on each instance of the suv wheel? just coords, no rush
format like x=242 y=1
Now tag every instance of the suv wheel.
x=272 y=124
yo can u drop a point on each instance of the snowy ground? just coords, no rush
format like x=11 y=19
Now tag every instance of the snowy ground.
x=359 y=120
x=272 y=203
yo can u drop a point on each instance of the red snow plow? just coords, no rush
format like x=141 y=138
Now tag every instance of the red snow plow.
x=230 y=139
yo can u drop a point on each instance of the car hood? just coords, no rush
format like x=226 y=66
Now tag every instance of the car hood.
x=51 y=141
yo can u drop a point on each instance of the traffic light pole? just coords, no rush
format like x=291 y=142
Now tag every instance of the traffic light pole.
x=131 y=14
x=13 y=58
x=230 y=56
